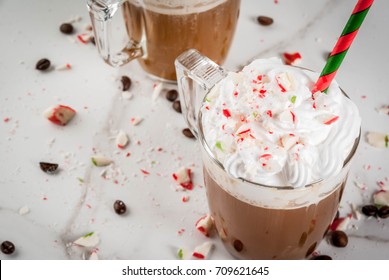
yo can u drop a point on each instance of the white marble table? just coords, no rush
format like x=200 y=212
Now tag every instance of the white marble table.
x=42 y=214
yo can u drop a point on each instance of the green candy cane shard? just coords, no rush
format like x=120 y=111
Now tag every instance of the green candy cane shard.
x=386 y=141
x=180 y=254
x=219 y=146
x=293 y=99
x=88 y=235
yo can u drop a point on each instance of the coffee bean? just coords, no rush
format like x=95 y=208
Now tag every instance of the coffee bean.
x=238 y=245
x=339 y=238
x=126 y=83
x=383 y=212
x=66 y=28
x=93 y=40
x=369 y=210
x=43 y=64
x=171 y=95
x=120 y=207
x=48 y=167
x=322 y=257
x=187 y=133
x=177 y=106
x=264 y=20
x=7 y=247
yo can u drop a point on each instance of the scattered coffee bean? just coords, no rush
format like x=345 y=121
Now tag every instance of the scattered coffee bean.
x=43 y=64
x=171 y=95
x=187 y=133
x=120 y=207
x=126 y=83
x=383 y=212
x=7 y=247
x=177 y=106
x=66 y=28
x=48 y=167
x=369 y=210
x=238 y=245
x=339 y=238
x=93 y=41
x=322 y=257
x=264 y=20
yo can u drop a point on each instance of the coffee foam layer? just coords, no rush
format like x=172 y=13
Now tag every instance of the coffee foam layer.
x=177 y=7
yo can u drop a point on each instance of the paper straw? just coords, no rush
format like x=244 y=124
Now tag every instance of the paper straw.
x=342 y=45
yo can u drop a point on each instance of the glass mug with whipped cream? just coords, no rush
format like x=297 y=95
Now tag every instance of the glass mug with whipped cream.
x=157 y=31
x=275 y=156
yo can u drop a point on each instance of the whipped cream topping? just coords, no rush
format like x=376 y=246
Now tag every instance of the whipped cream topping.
x=264 y=125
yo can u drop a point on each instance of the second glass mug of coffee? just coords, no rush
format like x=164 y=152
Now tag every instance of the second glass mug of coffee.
x=158 y=31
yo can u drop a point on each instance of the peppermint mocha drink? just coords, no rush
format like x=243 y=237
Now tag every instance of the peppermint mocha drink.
x=276 y=159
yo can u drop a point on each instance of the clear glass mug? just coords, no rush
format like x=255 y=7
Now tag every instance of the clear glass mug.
x=266 y=222
x=157 y=31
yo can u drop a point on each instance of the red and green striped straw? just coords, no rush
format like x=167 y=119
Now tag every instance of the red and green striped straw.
x=342 y=45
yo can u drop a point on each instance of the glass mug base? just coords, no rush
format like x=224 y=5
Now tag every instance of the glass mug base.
x=250 y=231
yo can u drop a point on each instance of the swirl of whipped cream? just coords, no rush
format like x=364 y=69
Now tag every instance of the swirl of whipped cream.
x=264 y=125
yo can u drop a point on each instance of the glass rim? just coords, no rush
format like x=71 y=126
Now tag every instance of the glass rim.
x=211 y=155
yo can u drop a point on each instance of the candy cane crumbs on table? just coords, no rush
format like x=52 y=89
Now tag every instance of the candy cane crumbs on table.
x=62 y=67
x=100 y=160
x=59 y=114
x=203 y=250
x=85 y=38
x=292 y=58
x=384 y=110
x=341 y=223
x=377 y=139
x=185 y=198
x=121 y=140
x=157 y=89
x=88 y=240
x=381 y=198
x=24 y=210
x=6 y=119
x=205 y=224
x=184 y=178
x=145 y=172
x=136 y=120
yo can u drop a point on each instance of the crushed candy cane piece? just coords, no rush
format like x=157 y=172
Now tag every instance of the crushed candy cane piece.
x=24 y=210
x=289 y=140
x=88 y=240
x=285 y=81
x=205 y=224
x=156 y=91
x=59 y=114
x=121 y=140
x=384 y=110
x=292 y=58
x=341 y=223
x=202 y=251
x=85 y=38
x=93 y=256
x=66 y=66
x=378 y=140
x=381 y=198
x=127 y=94
x=184 y=177
x=136 y=120
x=101 y=160
x=180 y=254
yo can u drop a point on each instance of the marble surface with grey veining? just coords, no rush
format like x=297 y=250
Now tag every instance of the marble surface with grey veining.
x=44 y=214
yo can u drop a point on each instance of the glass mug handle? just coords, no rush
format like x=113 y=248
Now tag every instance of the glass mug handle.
x=196 y=75
x=101 y=13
